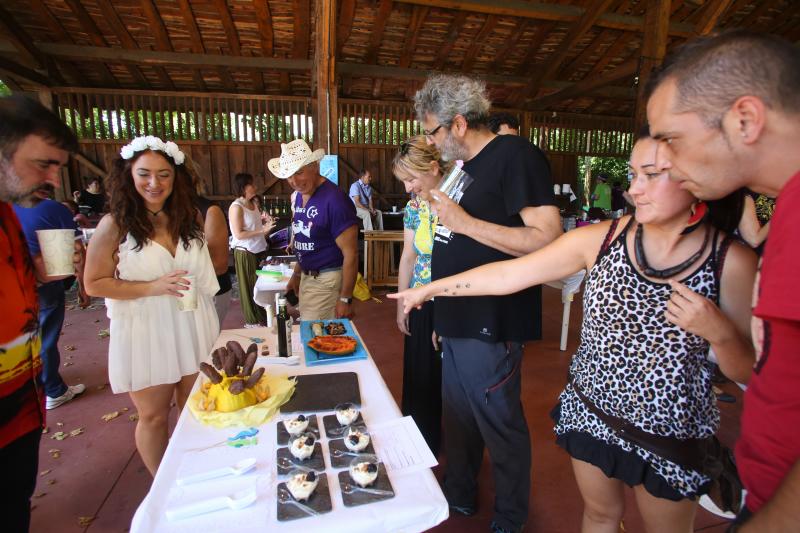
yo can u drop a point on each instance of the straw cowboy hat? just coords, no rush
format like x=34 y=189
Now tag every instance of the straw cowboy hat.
x=294 y=156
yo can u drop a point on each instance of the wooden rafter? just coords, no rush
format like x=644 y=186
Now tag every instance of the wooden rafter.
x=653 y=50
x=418 y=14
x=511 y=44
x=234 y=45
x=376 y=33
x=488 y=27
x=542 y=31
x=95 y=36
x=587 y=85
x=347 y=13
x=11 y=68
x=301 y=9
x=125 y=38
x=195 y=39
x=162 y=38
x=575 y=33
x=264 y=20
x=55 y=29
x=28 y=53
x=324 y=75
x=587 y=52
x=761 y=8
x=553 y=12
x=613 y=51
x=153 y=57
x=712 y=12
x=450 y=39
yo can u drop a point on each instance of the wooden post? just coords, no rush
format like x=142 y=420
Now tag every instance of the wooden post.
x=656 y=32
x=326 y=102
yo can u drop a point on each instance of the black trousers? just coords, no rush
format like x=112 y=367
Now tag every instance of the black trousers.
x=481 y=406
x=19 y=461
x=422 y=377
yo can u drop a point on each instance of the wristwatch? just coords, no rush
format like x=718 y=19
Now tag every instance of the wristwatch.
x=346 y=300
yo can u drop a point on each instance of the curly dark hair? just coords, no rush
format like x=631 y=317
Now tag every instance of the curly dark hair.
x=128 y=209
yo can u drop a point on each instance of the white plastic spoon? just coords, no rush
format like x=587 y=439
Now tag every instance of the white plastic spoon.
x=236 y=501
x=245 y=465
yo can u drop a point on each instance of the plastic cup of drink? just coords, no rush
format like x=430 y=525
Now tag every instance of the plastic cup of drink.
x=58 y=248
x=394 y=209
x=189 y=300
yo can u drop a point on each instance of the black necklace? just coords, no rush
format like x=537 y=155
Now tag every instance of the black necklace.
x=154 y=213
x=641 y=260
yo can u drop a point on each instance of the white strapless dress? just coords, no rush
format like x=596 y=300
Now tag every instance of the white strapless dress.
x=152 y=342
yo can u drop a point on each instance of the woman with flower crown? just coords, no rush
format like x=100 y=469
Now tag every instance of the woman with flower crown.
x=141 y=255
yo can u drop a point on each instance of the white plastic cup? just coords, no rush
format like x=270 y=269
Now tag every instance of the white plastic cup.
x=87 y=234
x=58 y=249
x=556 y=189
x=394 y=209
x=189 y=300
x=566 y=188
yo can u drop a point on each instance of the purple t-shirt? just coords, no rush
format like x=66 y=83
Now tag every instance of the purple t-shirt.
x=317 y=224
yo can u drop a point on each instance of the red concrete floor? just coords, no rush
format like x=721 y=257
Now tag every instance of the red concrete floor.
x=98 y=475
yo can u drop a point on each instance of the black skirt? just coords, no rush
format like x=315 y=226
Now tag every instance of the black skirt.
x=422 y=377
x=617 y=463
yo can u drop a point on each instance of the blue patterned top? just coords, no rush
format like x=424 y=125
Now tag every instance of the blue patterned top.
x=418 y=218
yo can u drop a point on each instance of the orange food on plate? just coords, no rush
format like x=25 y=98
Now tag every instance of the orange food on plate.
x=333 y=344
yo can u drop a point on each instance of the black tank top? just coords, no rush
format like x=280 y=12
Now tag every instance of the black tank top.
x=224 y=279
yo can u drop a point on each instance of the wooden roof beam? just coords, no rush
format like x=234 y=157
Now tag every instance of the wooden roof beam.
x=488 y=27
x=27 y=51
x=264 y=21
x=450 y=39
x=576 y=31
x=162 y=38
x=42 y=12
x=418 y=15
x=347 y=13
x=95 y=36
x=125 y=38
x=511 y=44
x=233 y=43
x=713 y=11
x=625 y=70
x=554 y=12
x=11 y=68
x=158 y=58
x=195 y=39
x=653 y=50
x=376 y=34
x=301 y=9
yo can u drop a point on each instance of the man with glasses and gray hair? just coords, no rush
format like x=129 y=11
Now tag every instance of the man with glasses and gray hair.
x=506 y=210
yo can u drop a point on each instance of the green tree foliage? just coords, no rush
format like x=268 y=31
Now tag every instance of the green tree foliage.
x=4 y=90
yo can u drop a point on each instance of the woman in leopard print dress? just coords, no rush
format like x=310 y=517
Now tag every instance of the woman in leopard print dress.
x=644 y=342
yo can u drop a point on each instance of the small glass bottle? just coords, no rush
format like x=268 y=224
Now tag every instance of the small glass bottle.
x=281 y=319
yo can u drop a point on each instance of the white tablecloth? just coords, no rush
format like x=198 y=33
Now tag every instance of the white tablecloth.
x=417 y=506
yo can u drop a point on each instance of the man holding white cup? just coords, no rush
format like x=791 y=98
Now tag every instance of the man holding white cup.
x=51 y=236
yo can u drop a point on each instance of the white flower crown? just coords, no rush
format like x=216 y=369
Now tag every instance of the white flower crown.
x=152 y=143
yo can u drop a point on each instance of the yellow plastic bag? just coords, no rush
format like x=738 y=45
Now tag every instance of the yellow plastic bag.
x=361 y=289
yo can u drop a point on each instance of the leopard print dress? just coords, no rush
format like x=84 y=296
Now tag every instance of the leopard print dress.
x=635 y=365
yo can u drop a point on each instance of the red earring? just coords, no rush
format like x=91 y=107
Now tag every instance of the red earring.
x=698 y=213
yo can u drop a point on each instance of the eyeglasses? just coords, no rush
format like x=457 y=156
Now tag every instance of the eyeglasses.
x=431 y=133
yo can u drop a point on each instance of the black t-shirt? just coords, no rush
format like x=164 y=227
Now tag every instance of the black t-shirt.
x=509 y=174
x=95 y=201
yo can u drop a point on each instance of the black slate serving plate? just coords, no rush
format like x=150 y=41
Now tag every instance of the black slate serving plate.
x=323 y=392
x=332 y=428
x=320 y=501
x=313 y=427
x=345 y=460
x=361 y=498
x=316 y=462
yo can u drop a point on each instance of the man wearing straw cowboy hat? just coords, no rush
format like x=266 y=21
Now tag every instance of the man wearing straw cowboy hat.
x=325 y=229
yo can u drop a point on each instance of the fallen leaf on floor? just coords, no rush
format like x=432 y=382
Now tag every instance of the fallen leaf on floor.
x=56 y=454
x=101 y=387
x=97 y=321
x=69 y=363
x=59 y=435
x=40 y=494
x=69 y=348
x=103 y=333
x=44 y=472
x=66 y=324
x=134 y=417
x=46 y=430
x=124 y=409
x=76 y=432
x=110 y=416
x=85 y=520
x=51 y=481
x=59 y=424
x=70 y=356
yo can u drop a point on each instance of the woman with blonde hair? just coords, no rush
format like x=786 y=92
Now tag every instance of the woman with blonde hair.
x=144 y=254
x=420 y=167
